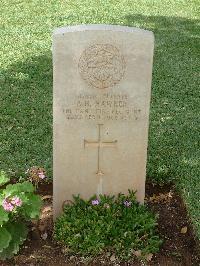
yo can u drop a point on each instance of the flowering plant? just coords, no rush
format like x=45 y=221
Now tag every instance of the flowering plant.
x=118 y=225
x=18 y=204
x=36 y=175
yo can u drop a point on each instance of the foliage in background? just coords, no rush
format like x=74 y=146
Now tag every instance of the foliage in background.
x=18 y=204
x=26 y=83
x=113 y=224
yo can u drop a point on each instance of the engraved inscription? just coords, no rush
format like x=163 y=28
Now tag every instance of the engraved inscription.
x=101 y=65
x=99 y=144
x=103 y=107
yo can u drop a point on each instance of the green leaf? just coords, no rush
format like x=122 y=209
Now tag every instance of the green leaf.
x=3 y=178
x=15 y=189
x=3 y=216
x=33 y=206
x=5 y=238
x=18 y=231
x=27 y=187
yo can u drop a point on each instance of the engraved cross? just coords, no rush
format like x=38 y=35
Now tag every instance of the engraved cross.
x=99 y=144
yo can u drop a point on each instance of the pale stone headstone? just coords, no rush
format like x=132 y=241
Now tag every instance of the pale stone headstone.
x=102 y=86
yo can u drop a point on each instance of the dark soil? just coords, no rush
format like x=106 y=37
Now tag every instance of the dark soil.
x=179 y=247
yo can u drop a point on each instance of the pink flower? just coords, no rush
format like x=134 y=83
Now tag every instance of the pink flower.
x=41 y=175
x=16 y=201
x=7 y=205
x=95 y=202
x=127 y=203
x=10 y=204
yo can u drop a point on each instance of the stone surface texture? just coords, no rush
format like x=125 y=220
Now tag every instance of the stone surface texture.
x=102 y=87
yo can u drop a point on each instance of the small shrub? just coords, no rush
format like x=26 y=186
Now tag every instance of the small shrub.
x=18 y=204
x=36 y=175
x=112 y=224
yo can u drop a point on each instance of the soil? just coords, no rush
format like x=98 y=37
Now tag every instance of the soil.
x=180 y=248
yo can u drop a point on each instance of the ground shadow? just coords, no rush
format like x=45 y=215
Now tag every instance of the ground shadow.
x=26 y=108
x=174 y=105
x=27 y=100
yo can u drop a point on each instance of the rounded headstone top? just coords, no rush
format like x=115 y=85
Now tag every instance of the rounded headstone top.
x=103 y=27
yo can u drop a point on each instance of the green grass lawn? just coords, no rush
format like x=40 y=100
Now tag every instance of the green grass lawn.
x=26 y=83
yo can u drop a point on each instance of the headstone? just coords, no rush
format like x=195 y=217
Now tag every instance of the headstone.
x=102 y=86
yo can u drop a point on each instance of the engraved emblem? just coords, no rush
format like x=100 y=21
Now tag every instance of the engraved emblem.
x=101 y=65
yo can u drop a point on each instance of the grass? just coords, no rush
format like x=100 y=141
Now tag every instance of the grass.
x=26 y=83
